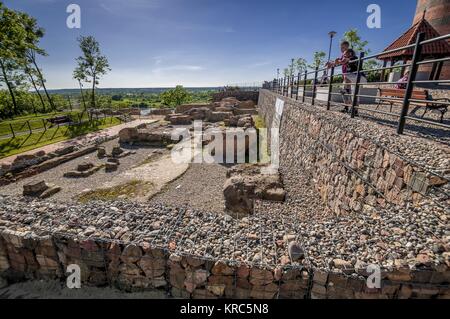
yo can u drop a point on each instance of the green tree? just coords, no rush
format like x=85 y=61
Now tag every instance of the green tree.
x=176 y=96
x=12 y=41
x=34 y=34
x=80 y=76
x=319 y=59
x=92 y=64
x=355 y=41
x=301 y=65
x=32 y=74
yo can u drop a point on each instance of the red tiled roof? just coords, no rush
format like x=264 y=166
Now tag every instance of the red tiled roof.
x=438 y=48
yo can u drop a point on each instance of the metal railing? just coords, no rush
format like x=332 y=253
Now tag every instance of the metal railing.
x=13 y=129
x=304 y=86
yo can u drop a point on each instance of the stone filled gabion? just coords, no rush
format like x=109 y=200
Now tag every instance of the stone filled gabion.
x=136 y=246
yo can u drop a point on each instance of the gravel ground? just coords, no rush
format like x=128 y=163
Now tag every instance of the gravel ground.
x=71 y=187
x=201 y=187
x=391 y=238
x=412 y=128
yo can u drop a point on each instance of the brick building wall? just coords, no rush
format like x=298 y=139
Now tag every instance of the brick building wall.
x=438 y=15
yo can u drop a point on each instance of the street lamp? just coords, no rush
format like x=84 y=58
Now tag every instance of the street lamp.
x=332 y=34
x=292 y=66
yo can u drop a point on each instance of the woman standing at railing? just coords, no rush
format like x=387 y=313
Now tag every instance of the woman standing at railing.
x=349 y=63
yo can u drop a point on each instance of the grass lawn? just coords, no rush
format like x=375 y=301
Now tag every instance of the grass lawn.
x=28 y=142
x=19 y=123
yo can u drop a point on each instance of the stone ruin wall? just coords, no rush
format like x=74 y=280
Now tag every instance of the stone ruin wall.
x=348 y=170
x=240 y=95
x=138 y=267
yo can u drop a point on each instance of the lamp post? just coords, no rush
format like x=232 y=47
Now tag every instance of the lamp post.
x=292 y=67
x=332 y=34
x=278 y=73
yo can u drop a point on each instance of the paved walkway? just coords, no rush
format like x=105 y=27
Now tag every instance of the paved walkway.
x=80 y=140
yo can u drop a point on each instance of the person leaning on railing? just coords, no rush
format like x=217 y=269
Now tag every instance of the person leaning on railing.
x=349 y=63
x=401 y=84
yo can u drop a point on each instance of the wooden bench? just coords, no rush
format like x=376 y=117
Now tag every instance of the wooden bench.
x=392 y=96
x=60 y=119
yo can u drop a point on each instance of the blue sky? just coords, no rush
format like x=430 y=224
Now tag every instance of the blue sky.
x=161 y=43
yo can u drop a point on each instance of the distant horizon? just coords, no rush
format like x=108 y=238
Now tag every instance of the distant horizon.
x=132 y=88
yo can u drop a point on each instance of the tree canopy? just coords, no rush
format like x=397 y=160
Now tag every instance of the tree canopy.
x=91 y=65
x=176 y=96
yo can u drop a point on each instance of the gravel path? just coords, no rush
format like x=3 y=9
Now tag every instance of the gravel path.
x=201 y=187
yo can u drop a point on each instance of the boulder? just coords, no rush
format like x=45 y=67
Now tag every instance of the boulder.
x=245 y=122
x=179 y=119
x=128 y=135
x=229 y=102
x=245 y=112
x=164 y=111
x=101 y=152
x=239 y=195
x=113 y=160
x=111 y=167
x=224 y=109
x=116 y=151
x=50 y=191
x=85 y=166
x=275 y=194
x=219 y=116
x=34 y=188
x=249 y=104
x=186 y=107
x=202 y=113
x=295 y=251
x=40 y=189
x=246 y=183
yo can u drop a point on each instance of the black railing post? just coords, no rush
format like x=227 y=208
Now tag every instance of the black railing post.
x=288 y=86
x=285 y=85
x=410 y=86
x=304 y=86
x=357 y=85
x=330 y=89
x=292 y=85
x=29 y=127
x=12 y=130
x=298 y=85
x=315 y=86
